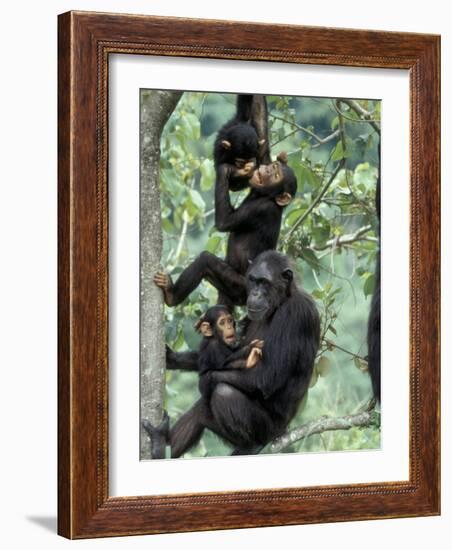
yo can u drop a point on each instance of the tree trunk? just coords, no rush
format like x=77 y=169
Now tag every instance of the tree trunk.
x=156 y=108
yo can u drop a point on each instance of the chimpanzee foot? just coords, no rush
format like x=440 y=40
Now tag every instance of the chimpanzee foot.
x=164 y=281
x=159 y=435
x=247 y=450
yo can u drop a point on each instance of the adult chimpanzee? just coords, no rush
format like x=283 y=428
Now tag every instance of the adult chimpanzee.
x=219 y=347
x=373 y=327
x=238 y=143
x=254 y=227
x=249 y=407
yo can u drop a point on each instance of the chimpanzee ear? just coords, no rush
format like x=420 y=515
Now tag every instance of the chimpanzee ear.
x=283 y=199
x=282 y=157
x=261 y=142
x=205 y=329
x=287 y=274
x=226 y=144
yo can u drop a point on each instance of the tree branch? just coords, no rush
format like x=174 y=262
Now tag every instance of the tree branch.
x=345 y=239
x=156 y=108
x=365 y=116
x=364 y=419
x=316 y=201
x=299 y=128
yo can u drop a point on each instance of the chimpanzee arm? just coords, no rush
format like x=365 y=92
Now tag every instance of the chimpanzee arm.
x=228 y=218
x=215 y=357
x=182 y=360
x=237 y=360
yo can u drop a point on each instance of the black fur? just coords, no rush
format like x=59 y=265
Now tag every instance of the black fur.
x=215 y=354
x=253 y=228
x=250 y=407
x=373 y=327
x=240 y=133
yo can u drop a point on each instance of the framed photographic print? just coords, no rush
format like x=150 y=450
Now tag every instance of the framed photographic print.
x=248 y=275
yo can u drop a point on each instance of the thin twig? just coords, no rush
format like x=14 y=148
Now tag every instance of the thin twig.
x=365 y=116
x=316 y=201
x=319 y=140
x=330 y=343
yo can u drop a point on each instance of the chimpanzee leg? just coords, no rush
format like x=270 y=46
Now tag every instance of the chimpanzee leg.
x=240 y=419
x=220 y=274
x=188 y=429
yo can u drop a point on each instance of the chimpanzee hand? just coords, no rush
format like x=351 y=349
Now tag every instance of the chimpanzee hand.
x=228 y=171
x=243 y=170
x=253 y=358
x=164 y=281
x=257 y=344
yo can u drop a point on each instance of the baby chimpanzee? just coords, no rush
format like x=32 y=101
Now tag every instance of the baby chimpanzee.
x=237 y=142
x=219 y=349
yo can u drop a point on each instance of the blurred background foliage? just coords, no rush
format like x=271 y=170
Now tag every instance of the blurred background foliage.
x=329 y=230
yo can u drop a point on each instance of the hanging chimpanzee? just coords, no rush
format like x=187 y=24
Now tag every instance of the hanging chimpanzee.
x=250 y=407
x=238 y=144
x=219 y=347
x=253 y=228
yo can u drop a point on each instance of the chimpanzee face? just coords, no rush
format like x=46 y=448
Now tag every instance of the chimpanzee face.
x=217 y=322
x=225 y=328
x=267 y=175
x=267 y=287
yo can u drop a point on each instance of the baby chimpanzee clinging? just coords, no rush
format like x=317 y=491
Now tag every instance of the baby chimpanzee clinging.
x=237 y=142
x=219 y=348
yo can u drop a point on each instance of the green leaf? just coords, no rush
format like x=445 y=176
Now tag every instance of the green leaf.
x=293 y=216
x=338 y=152
x=308 y=255
x=321 y=234
x=360 y=364
x=318 y=294
x=365 y=174
x=167 y=226
x=332 y=329
x=191 y=126
x=179 y=342
x=213 y=243
x=197 y=200
x=314 y=377
x=369 y=285
x=323 y=366
x=207 y=174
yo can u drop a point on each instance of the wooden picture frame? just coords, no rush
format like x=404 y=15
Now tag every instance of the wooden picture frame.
x=85 y=42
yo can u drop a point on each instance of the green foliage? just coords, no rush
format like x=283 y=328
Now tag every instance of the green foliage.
x=334 y=248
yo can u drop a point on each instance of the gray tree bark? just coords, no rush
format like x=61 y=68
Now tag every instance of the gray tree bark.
x=156 y=108
x=362 y=419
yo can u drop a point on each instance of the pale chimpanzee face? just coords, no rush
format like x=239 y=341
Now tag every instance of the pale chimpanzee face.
x=267 y=175
x=225 y=327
